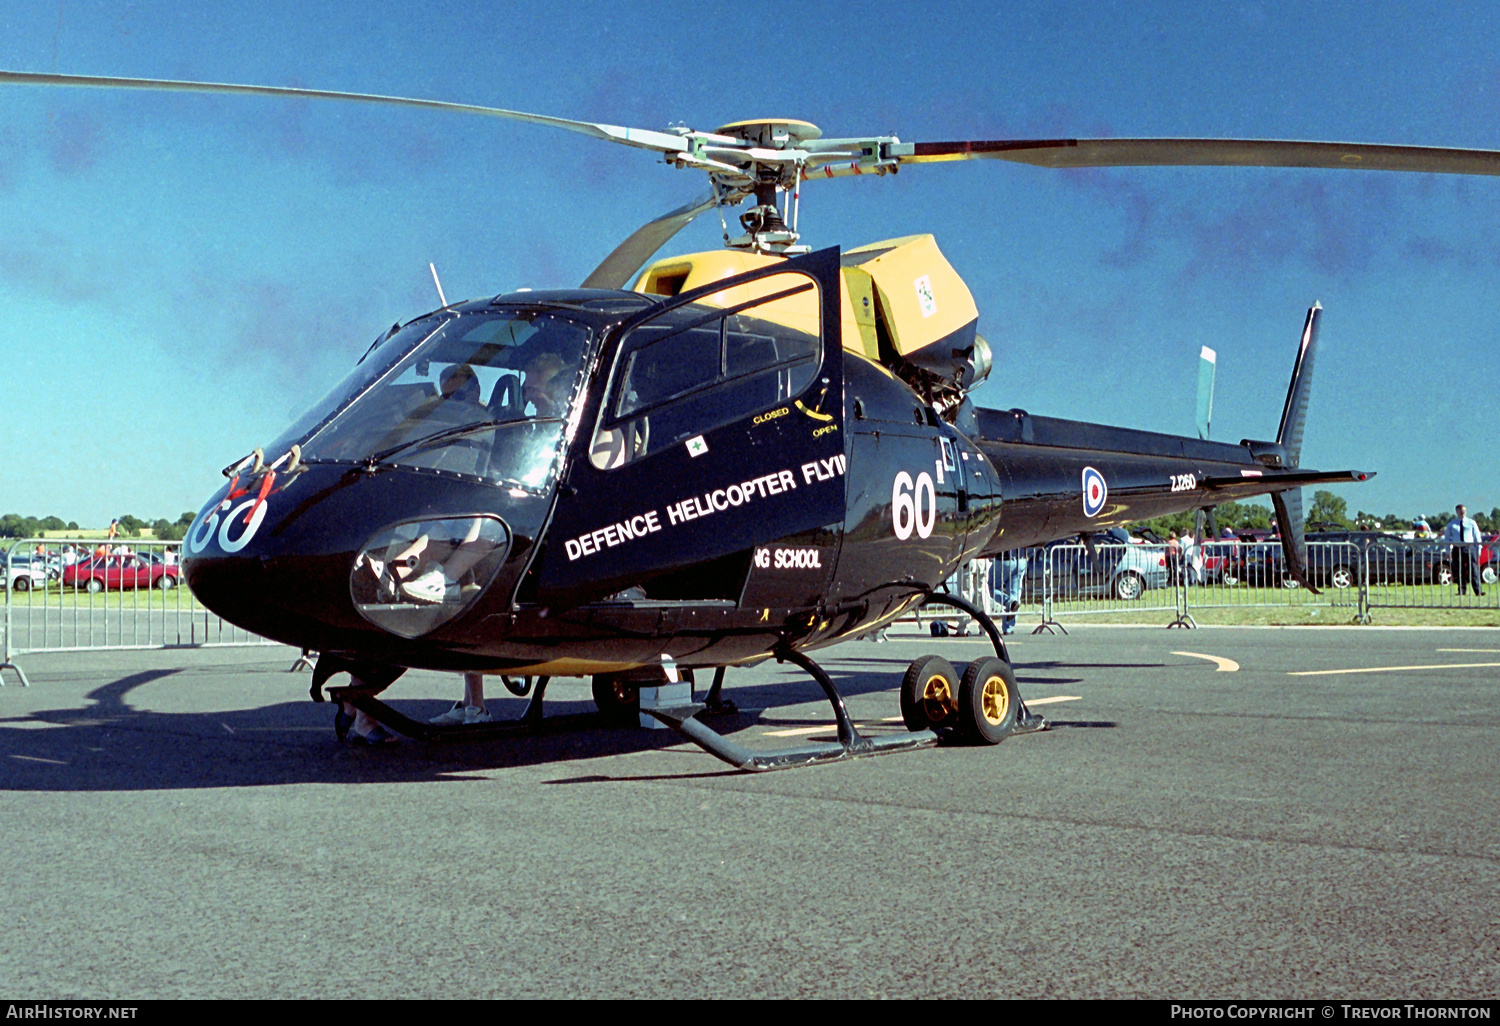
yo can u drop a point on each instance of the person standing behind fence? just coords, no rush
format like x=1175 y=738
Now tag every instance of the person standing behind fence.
x=1192 y=558
x=1174 y=559
x=1463 y=534
x=1010 y=573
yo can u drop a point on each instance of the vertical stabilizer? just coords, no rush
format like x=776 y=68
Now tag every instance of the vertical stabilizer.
x=1294 y=415
x=1288 y=506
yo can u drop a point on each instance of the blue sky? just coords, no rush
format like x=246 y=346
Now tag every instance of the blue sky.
x=181 y=275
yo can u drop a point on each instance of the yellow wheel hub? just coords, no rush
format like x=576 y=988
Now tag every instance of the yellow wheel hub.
x=995 y=700
x=937 y=699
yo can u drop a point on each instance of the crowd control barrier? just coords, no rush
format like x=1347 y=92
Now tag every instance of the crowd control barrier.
x=1073 y=580
x=1357 y=580
x=69 y=594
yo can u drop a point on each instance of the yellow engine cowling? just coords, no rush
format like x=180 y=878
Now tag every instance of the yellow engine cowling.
x=900 y=299
x=918 y=303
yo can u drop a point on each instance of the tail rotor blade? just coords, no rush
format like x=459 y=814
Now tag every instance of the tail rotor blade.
x=1208 y=365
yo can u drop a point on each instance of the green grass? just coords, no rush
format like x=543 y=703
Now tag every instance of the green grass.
x=1251 y=606
x=1414 y=606
x=56 y=597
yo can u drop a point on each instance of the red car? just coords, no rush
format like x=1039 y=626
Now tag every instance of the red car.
x=133 y=570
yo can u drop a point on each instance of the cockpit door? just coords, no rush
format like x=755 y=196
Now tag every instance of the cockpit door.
x=717 y=432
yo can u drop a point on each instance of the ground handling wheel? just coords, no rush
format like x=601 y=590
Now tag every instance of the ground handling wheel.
x=618 y=700
x=929 y=693
x=987 y=702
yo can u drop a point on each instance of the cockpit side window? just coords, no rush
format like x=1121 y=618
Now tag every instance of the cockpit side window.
x=665 y=364
x=698 y=367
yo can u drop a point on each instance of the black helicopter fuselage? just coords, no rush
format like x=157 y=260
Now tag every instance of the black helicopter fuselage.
x=440 y=512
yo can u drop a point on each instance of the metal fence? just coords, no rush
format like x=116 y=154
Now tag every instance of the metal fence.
x=1064 y=582
x=1073 y=580
x=70 y=594
x=1421 y=577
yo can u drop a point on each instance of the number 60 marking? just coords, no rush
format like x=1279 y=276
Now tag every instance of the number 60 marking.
x=909 y=510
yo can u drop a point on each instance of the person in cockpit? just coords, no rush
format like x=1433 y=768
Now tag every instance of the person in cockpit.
x=543 y=381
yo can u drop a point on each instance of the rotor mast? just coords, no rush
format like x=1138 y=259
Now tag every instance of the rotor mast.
x=772 y=159
x=767 y=159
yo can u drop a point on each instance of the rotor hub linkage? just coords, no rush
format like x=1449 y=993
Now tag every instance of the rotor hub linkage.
x=758 y=220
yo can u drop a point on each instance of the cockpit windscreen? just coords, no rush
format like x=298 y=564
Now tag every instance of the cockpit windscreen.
x=484 y=395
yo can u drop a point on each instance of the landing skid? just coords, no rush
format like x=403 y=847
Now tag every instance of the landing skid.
x=684 y=718
x=715 y=704
x=851 y=744
x=363 y=699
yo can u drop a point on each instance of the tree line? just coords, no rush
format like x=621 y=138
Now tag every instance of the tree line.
x=14 y=525
x=1327 y=511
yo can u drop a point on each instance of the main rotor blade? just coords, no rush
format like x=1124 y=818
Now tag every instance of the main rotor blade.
x=1071 y=153
x=631 y=255
x=644 y=138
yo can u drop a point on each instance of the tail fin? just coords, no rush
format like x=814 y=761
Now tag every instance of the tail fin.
x=1294 y=415
x=1288 y=504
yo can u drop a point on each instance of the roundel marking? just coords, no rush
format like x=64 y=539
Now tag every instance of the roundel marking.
x=1095 y=491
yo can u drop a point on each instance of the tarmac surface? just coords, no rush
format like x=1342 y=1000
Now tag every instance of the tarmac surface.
x=1205 y=820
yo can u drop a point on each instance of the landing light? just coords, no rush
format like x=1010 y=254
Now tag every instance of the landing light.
x=412 y=578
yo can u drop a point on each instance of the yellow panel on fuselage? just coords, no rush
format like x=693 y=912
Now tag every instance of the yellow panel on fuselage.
x=905 y=283
x=676 y=275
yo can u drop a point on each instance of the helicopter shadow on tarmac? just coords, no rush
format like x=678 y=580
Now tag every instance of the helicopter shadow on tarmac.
x=105 y=743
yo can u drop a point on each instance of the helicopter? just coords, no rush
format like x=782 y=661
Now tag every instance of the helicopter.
x=708 y=460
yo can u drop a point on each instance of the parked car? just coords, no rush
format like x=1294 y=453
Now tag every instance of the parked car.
x=1338 y=558
x=1223 y=561
x=1489 y=561
x=1262 y=564
x=1121 y=568
x=27 y=572
x=132 y=570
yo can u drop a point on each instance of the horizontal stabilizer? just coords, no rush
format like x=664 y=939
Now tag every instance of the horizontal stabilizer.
x=1256 y=482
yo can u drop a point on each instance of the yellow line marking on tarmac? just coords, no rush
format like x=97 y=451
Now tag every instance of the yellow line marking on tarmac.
x=1224 y=665
x=1469 y=650
x=34 y=758
x=825 y=728
x=798 y=731
x=1391 y=669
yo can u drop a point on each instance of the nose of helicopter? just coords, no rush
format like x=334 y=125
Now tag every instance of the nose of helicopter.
x=237 y=566
x=346 y=560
